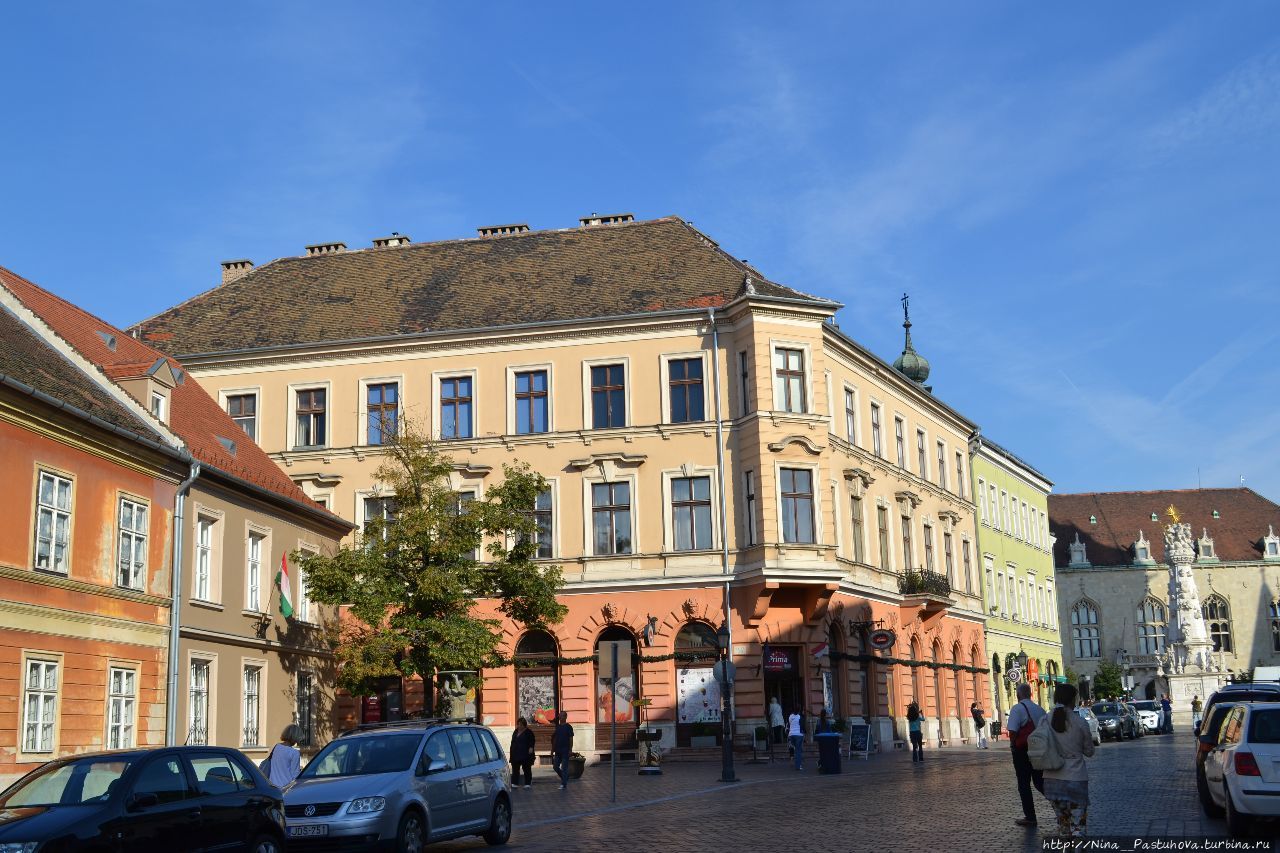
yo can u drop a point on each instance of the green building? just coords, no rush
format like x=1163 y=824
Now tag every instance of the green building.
x=1018 y=585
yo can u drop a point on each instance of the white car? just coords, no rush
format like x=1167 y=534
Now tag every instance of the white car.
x=1242 y=773
x=1148 y=714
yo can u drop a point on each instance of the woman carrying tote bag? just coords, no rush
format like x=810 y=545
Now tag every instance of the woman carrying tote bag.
x=1067 y=787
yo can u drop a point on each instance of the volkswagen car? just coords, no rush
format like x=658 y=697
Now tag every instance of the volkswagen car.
x=1242 y=772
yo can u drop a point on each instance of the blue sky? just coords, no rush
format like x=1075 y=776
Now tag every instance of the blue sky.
x=1081 y=199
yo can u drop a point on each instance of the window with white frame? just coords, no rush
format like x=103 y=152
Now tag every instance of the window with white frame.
x=988 y=570
x=968 y=564
x=203 y=582
x=749 y=507
x=877 y=443
x=611 y=517
x=942 y=464
x=960 y=490
x=53 y=522
x=789 y=380
x=198 y=702
x=1026 y=527
x=243 y=409
x=1003 y=596
x=382 y=412
x=543 y=520
x=311 y=414
x=851 y=416
x=948 y=559
x=122 y=698
x=928 y=547
x=744 y=380
x=797 y=504
x=303 y=612
x=532 y=401
x=456 y=407
x=1005 y=524
x=304 y=698
x=1022 y=600
x=253 y=572
x=882 y=529
x=40 y=705
x=379 y=513
x=1086 y=638
x=856 y=523
x=1051 y=601
x=995 y=506
x=159 y=406
x=131 y=559
x=608 y=396
x=982 y=501
x=251 y=735
x=685 y=391
x=922 y=454
x=1013 y=513
x=908 y=557
x=1152 y=627
x=691 y=513
x=900 y=441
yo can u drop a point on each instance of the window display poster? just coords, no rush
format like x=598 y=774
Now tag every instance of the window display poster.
x=623 y=710
x=827 y=693
x=699 y=695
x=536 y=700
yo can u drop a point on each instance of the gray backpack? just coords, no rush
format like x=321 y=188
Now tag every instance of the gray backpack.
x=1042 y=747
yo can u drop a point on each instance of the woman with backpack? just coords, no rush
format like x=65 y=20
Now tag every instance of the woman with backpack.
x=1067 y=787
x=915 y=728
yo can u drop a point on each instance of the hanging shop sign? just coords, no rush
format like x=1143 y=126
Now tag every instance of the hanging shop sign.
x=1014 y=674
x=882 y=638
x=780 y=659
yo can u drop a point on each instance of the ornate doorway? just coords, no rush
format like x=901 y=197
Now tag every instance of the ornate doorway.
x=611 y=707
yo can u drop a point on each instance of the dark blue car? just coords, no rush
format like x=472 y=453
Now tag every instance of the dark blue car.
x=172 y=799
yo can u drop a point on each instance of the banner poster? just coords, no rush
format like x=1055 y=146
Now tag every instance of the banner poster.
x=699 y=695
x=623 y=711
x=536 y=699
x=828 y=694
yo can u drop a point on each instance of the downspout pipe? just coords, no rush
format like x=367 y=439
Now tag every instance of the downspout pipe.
x=175 y=608
x=726 y=749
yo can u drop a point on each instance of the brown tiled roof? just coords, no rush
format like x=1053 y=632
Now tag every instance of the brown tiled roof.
x=194 y=416
x=32 y=361
x=1243 y=516
x=532 y=277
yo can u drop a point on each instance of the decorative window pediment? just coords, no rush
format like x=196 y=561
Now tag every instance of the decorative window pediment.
x=1270 y=545
x=1204 y=548
x=804 y=441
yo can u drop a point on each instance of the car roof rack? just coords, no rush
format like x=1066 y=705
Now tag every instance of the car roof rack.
x=409 y=723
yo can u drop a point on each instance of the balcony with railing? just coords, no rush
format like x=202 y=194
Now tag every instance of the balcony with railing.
x=197 y=735
x=924 y=582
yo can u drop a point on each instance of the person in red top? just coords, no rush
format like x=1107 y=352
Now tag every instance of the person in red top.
x=1022 y=720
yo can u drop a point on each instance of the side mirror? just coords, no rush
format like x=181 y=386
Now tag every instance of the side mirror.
x=438 y=767
x=138 y=802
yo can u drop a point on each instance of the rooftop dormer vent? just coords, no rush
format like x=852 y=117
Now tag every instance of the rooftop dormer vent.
x=108 y=339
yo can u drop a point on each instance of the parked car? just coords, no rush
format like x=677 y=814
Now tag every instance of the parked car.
x=1116 y=720
x=1245 y=692
x=1206 y=739
x=1243 y=771
x=1149 y=713
x=185 y=799
x=401 y=785
x=1088 y=717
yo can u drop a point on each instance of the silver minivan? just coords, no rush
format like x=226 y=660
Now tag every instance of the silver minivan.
x=399 y=786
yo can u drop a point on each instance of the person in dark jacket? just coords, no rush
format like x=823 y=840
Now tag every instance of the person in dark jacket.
x=522 y=743
x=562 y=747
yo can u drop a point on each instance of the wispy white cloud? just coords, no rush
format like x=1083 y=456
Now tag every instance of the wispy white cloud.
x=1242 y=105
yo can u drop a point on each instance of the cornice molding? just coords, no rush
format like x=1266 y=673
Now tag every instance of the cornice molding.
x=14 y=573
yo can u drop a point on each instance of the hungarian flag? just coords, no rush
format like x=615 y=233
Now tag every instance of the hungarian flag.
x=282 y=584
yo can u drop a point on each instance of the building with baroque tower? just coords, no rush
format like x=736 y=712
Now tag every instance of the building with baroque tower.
x=1114 y=596
x=713 y=441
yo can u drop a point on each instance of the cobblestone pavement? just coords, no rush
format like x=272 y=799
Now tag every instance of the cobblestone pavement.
x=957 y=800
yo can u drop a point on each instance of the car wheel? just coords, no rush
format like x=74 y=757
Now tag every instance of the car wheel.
x=411 y=834
x=500 y=823
x=266 y=844
x=1211 y=809
x=1238 y=825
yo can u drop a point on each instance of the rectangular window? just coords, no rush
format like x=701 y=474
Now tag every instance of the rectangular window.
x=968 y=564
x=907 y=556
x=960 y=474
x=122 y=697
x=531 y=402
x=253 y=572
x=53 y=522
x=691 y=513
x=995 y=507
x=928 y=547
x=744 y=378
x=1026 y=528
x=1013 y=513
x=40 y=705
x=204 y=558
x=1022 y=600
x=922 y=455
x=252 y=735
x=877 y=446
x=797 y=505
x=381 y=511
x=243 y=409
x=303 y=611
x=749 y=490
x=949 y=559
x=1004 y=513
x=942 y=465
x=1004 y=596
x=131 y=560
x=855 y=526
x=901 y=442
x=685 y=378
x=611 y=517
x=608 y=396
x=455 y=407
x=304 y=697
x=850 y=416
x=542 y=517
x=158 y=406
x=992 y=596
x=198 y=703
x=382 y=402
x=882 y=523
x=311 y=417
x=788 y=382
x=982 y=500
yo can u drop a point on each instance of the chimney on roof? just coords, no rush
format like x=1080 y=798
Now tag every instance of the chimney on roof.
x=396 y=239
x=502 y=230
x=325 y=249
x=607 y=219
x=232 y=270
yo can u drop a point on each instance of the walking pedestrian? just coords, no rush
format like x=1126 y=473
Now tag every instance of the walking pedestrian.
x=1197 y=709
x=1067 y=788
x=796 y=735
x=776 y=720
x=915 y=730
x=979 y=725
x=1021 y=723
x=1166 y=708
x=284 y=762
x=522 y=749
x=562 y=747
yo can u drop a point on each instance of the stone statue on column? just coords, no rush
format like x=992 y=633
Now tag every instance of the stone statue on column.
x=1190 y=668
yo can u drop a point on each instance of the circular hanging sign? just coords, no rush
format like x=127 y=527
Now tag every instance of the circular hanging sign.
x=1014 y=674
x=881 y=638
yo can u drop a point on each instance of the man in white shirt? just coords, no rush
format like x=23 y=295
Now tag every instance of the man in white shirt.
x=1020 y=715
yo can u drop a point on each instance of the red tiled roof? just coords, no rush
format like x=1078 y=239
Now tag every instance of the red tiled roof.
x=194 y=416
x=1237 y=532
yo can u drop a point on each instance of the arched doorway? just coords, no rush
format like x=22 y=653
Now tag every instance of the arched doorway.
x=697 y=693
x=867 y=675
x=611 y=708
x=833 y=688
x=537 y=681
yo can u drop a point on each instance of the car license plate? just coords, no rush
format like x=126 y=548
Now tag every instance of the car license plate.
x=308 y=830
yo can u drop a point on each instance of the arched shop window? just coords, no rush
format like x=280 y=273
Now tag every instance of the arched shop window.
x=832 y=673
x=617 y=705
x=537 y=681
x=697 y=693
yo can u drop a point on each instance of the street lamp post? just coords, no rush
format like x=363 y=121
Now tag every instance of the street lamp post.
x=726 y=689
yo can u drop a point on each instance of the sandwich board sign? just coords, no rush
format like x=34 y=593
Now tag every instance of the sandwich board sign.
x=859 y=739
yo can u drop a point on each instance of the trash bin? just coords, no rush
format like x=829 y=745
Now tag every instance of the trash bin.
x=828 y=752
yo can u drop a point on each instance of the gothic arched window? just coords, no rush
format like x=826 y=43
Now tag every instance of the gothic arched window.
x=1217 y=617
x=1086 y=639
x=1152 y=627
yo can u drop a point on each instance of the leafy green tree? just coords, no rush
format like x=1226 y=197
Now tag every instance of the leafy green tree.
x=413 y=579
x=1108 y=680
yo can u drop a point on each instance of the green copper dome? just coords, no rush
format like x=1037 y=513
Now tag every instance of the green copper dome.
x=911 y=364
